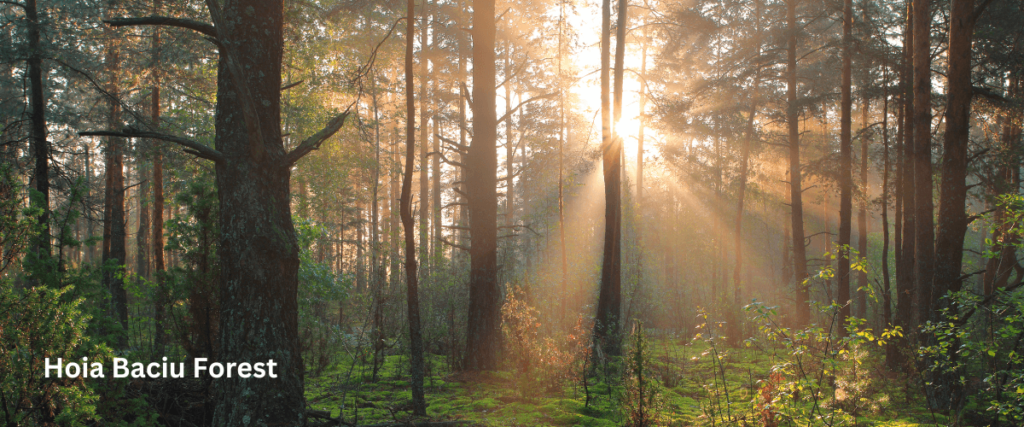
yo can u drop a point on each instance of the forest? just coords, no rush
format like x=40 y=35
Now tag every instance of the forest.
x=500 y=213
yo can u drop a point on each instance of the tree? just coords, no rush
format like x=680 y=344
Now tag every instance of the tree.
x=258 y=249
x=924 y=238
x=609 y=300
x=483 y=339
x=802 y=301
x=411 y=280
x=845 y=172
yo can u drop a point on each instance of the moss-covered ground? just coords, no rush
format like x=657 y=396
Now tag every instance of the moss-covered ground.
x=690 y=377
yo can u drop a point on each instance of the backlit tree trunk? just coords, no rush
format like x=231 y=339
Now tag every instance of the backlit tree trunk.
x=803 y=307
x=411 y=280
x=845 y=173
x=606 y=327
x=483 y=340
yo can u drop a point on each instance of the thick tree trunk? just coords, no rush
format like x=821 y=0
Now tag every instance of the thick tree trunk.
x=483 y=340
x=258 y=249
x=803 y=307
x=419 y=404
x=952 y=217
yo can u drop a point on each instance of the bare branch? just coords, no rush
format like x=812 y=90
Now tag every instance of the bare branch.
x=454 y=245
x=521 y=104
x=166 y=21
x=191 y=146
x=314 y=141
x=291 y=85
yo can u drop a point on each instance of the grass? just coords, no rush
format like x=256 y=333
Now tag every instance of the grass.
x=690 y=392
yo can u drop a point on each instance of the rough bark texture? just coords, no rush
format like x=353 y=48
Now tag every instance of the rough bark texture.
x=483 y=340
x=803 y=307
x=258 y=250
x=845 y=173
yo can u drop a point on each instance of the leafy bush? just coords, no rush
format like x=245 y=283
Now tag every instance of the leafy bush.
x=36 y=324
x=319 y=288
x=641 y=395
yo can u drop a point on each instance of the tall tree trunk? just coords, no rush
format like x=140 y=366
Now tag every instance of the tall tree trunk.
x=159 y=335
x=142 y=238
x=435 y=198
x=483 y=339
x=862 y=214
x=952 y=220
x=924 y=244
x=886 y=283
x=258 y=248
x=845 y=172
x=562 y=129
x=115 y=181
x=905 y=292
x=606 y=327
x=376 y=267
x=741 y=193
x=424 y=197
x=419 y=405
x=510 y=149
x=803 y=304
x=37 y=135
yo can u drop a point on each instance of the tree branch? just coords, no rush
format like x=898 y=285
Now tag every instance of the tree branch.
x=521 y=104
x=191 y=146
x=314 y=141
x=454 y=245
x=167 y=21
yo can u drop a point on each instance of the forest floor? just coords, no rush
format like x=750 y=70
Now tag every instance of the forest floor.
x=692 y=392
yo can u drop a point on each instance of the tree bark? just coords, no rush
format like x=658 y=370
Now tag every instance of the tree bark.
x=845 y=173
x=606 y=326
x=483 y=340
x=905 y=292
x=862 y=214
x=419 y=404
x=115 y=181
x=37 y=133
x=803 y=307
x=924 y=244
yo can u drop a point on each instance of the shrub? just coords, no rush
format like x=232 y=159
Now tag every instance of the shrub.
x=36 y=324
x=641 y=395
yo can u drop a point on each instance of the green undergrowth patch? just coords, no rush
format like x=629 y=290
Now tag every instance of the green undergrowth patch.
x=689 y=387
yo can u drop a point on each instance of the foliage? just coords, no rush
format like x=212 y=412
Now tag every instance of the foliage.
x=980 y=335
x=541 y=362
x=319 y=286
x=641 y=395
x=17 y=223
x=35 y=324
